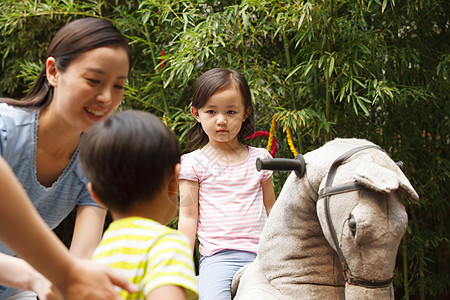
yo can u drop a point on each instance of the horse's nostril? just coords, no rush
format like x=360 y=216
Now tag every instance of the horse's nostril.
x=352 y=224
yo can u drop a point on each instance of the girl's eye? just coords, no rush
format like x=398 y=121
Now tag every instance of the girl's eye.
x=210 y=112
x=119 y=87
x=231 y=112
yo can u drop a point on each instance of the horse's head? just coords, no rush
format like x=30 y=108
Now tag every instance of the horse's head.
x=362 y=217
x=360 y=212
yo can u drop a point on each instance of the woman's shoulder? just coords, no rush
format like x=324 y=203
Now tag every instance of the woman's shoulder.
x=17 y=116
x=17 y=127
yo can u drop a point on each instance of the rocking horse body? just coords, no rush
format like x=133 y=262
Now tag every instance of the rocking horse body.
x=333 y=232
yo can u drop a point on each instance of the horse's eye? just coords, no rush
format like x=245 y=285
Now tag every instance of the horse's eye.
x=352 y=224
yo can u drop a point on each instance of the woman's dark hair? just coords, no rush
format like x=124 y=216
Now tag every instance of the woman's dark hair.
x=70 y=42
x=127 y=158
x=208 y=84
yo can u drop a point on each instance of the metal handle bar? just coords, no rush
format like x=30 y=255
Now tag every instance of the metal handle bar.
x=283 y=164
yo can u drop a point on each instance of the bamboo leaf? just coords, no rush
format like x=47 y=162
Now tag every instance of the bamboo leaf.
x=331 y=67
x=359 y=83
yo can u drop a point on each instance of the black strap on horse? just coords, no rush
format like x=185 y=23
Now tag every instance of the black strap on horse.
x=328 y=191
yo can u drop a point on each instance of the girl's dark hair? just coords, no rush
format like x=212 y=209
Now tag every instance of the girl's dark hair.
x=128 y=157
x=208 y=84
x=70 y=42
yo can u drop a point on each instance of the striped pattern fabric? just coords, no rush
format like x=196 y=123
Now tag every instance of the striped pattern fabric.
x=231 y=208
x=148 y=254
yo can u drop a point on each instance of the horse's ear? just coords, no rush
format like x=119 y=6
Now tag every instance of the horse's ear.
x=380 y=179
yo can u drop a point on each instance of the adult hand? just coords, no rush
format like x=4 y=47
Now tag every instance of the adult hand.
x=89 y=280
x=18 y=273
x=44 y=288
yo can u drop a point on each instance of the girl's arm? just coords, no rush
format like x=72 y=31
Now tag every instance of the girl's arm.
x=35 y=242
x=268 y=194
x=188 y=218
x=88 y=230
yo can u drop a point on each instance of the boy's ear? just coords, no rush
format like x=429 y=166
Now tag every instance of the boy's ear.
x=173 y=180
x=51 y=71
x=194 y=112
x=94 y=194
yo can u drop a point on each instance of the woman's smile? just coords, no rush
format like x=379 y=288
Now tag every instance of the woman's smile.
x=95 y=112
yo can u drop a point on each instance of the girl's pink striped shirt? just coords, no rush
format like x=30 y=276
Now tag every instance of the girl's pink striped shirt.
x=231 y=208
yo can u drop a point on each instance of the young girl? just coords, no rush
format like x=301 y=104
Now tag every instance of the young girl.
x=224 y=199
x=81 y=83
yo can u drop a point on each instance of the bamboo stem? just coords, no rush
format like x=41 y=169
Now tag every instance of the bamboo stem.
x=288 y=64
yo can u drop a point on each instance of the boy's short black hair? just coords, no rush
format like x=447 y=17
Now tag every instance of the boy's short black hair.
x=128 y=157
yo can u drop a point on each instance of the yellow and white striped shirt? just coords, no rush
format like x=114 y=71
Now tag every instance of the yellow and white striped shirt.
x=148 y=254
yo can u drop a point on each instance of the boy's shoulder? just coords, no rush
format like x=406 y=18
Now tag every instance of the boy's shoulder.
x=144 y=226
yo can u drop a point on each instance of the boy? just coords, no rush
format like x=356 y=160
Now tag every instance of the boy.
x=132 y=162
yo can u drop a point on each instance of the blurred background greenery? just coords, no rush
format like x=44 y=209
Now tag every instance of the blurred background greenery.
x=376 y=70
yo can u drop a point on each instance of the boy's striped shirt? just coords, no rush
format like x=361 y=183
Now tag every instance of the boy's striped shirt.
x=149 y=255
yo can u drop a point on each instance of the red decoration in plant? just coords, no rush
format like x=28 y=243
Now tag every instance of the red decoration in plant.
x=264 y=133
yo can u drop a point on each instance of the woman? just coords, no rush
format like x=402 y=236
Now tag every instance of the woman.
x=82 y=82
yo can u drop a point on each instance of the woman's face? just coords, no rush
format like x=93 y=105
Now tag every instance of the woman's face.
x=91 y=87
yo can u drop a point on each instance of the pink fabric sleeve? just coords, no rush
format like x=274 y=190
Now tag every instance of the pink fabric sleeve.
x=266 y=173
x=188 y=171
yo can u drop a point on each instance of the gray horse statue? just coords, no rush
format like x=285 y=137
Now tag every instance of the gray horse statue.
x=335 y=228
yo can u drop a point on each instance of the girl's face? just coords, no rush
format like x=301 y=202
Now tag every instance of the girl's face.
x=91 y=87
x=222 y=115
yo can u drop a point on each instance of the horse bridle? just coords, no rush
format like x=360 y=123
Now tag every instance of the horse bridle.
x=299 y=166
x=328 y=191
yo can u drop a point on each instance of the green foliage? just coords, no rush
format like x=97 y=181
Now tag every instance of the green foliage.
x=373 y=69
